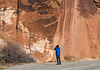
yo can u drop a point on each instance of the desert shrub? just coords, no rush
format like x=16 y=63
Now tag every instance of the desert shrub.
x=14 y=54
x=70 y=58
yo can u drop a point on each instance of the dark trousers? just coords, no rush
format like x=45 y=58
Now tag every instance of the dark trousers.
x=58 y=59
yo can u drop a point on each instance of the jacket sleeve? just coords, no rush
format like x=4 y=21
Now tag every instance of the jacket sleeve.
x=55 y=48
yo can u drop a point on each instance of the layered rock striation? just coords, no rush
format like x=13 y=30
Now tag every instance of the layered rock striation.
x=39 y=25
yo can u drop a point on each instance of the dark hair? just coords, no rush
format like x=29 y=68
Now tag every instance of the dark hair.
x=57 y=46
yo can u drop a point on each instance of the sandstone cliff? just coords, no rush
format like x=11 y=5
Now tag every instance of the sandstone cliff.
x=39 y=25
x=78 y=32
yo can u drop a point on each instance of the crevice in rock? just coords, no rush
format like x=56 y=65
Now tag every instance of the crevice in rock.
x=97 y=3
x=2 y=27
x=30 y=42
x=18 y=1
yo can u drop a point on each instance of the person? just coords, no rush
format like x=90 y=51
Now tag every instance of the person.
x=57 y=49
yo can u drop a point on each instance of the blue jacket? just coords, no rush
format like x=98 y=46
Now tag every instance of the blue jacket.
x=57 y=51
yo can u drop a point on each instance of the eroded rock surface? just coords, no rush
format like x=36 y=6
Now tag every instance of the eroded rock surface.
x=39 y=25
x=32 y=24
x=79 y=36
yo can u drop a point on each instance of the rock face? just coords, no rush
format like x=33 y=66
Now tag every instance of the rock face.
x=78 y=31
x=32 y=24
x=39 y=25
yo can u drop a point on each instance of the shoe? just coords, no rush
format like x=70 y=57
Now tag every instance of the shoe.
x=57 y=64
x=60 y=64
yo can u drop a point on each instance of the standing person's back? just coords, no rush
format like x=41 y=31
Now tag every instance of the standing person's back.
x=57 y=49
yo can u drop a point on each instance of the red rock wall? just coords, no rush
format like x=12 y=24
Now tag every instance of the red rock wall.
x=32 y=24
x=39 y=25
x=79 y=30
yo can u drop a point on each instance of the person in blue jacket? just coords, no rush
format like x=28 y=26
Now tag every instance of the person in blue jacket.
x=57 y=49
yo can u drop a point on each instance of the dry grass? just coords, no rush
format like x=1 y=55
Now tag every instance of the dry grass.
x=73 y=59
x=70 y=58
